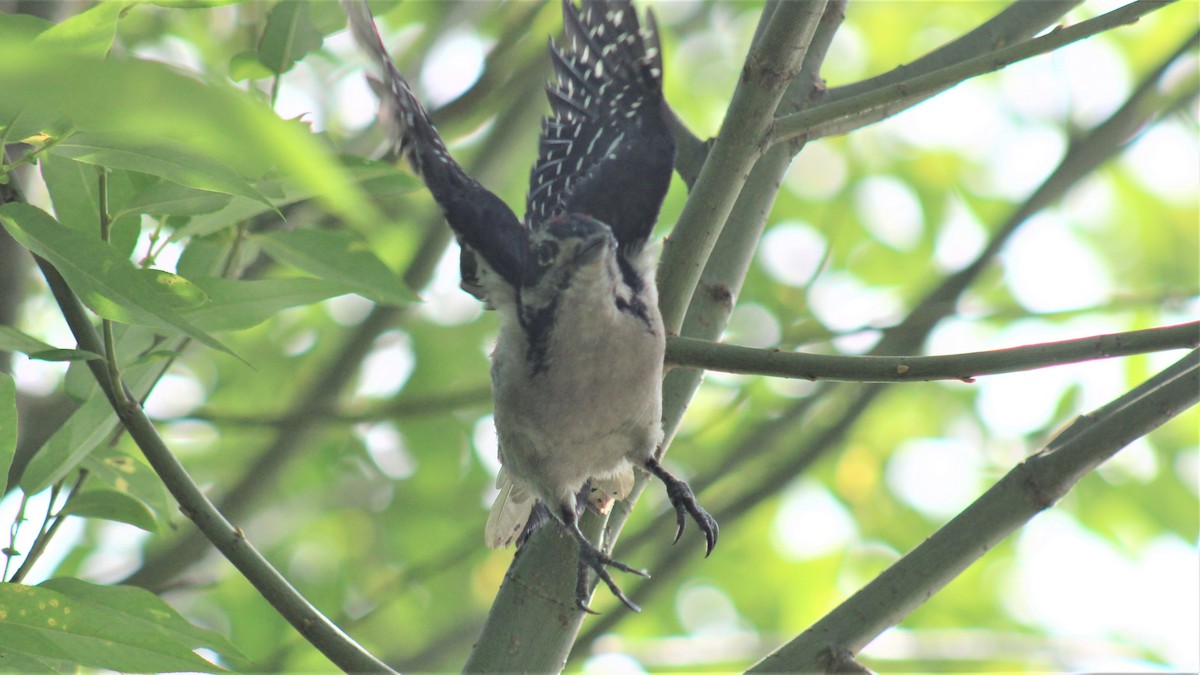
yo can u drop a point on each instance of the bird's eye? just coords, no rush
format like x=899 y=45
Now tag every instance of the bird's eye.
x=545 y=253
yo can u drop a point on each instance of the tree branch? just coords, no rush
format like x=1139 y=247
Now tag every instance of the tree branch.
x=693 y=353
x=1031 y=486
x=770 y=67
x=720 y=284
x=871 y=106
x=1020 y=21
x=842 y=405
x=340 y=648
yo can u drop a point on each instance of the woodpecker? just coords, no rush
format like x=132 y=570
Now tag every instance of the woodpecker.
x=578 y=363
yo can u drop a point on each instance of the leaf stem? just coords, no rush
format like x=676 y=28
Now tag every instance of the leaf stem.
x=110 y=348
x=55 y=520
x=10 y=551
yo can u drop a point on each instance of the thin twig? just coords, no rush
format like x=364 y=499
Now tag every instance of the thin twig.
x=693 y=353
x=892 y=98
x=47 y=533
x=1032 y=486
x=342 y=650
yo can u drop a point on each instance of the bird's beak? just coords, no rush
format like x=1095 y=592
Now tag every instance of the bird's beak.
x=590 y=250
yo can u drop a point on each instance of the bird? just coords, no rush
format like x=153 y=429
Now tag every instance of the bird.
x=578 y=362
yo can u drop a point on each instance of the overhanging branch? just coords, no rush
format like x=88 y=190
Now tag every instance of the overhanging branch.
x=840 y=116
x=692 y=353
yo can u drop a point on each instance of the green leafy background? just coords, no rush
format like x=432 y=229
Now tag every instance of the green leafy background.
x=376 y=512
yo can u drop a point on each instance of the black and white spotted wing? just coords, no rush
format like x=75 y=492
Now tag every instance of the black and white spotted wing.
x=607 y=150
x=478 y=217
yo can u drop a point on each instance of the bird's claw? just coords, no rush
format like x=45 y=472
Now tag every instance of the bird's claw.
x=598 y=561
x=684 y=501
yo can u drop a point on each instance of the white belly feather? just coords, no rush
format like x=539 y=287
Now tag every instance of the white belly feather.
x=593 y=412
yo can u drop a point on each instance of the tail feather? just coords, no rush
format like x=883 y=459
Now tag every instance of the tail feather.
x=509 y=512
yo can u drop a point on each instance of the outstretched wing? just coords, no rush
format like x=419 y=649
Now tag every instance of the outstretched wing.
x=607 y=150
x=478 y=217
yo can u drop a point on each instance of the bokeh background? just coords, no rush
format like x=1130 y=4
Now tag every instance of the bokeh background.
x=376 y=513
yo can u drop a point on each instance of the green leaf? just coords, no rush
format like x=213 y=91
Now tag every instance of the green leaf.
x=165 y=160
x=87 y=428
x=74 y=190
x=193 y=4
x=13 y=340
x=116 y=628
x=340 y=257
x=151 y=101
x=112 y=505
x=104 y=280
x=235 y=305
x=131 y=476
x=288 y=36
x=376 y=178
x=246 y=66
x=89 y=33
x=11 y=662
x=65 y=355
x=206 y=256
x=94 y=420
x=18 y=29
x=172 y=199
x=177 y=291
x=8 y=422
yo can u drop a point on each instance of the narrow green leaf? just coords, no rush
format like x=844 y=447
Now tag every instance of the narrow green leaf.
x=146 y=100
x=235 y=305
x=193 y=4
x=172 y=199
x=112 y=505
x=65 y=355
x=13 y=340
x=246 y=66
x=116 y=628
x=74 y=190
x=94 y=420
x=19 y=29
x=178 y=292
x=375 y=178
x=104 y=280
x=206 y=256
x=165 y=160
x=341 y=257
x=132 y=476
x=87 y=428
x=8 y=422
x=288 y=36
x=11 y=662
x=89 y=33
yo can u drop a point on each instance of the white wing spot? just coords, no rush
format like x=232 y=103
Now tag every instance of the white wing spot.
x=592 y=145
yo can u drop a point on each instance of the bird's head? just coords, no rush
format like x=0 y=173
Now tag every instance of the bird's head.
x=569 y=250
x=567 y=244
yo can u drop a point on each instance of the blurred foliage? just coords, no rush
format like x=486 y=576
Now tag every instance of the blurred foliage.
x=376 y=511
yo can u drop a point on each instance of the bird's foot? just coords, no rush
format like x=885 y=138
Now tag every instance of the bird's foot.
x=684 y=501
x=599 y=561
